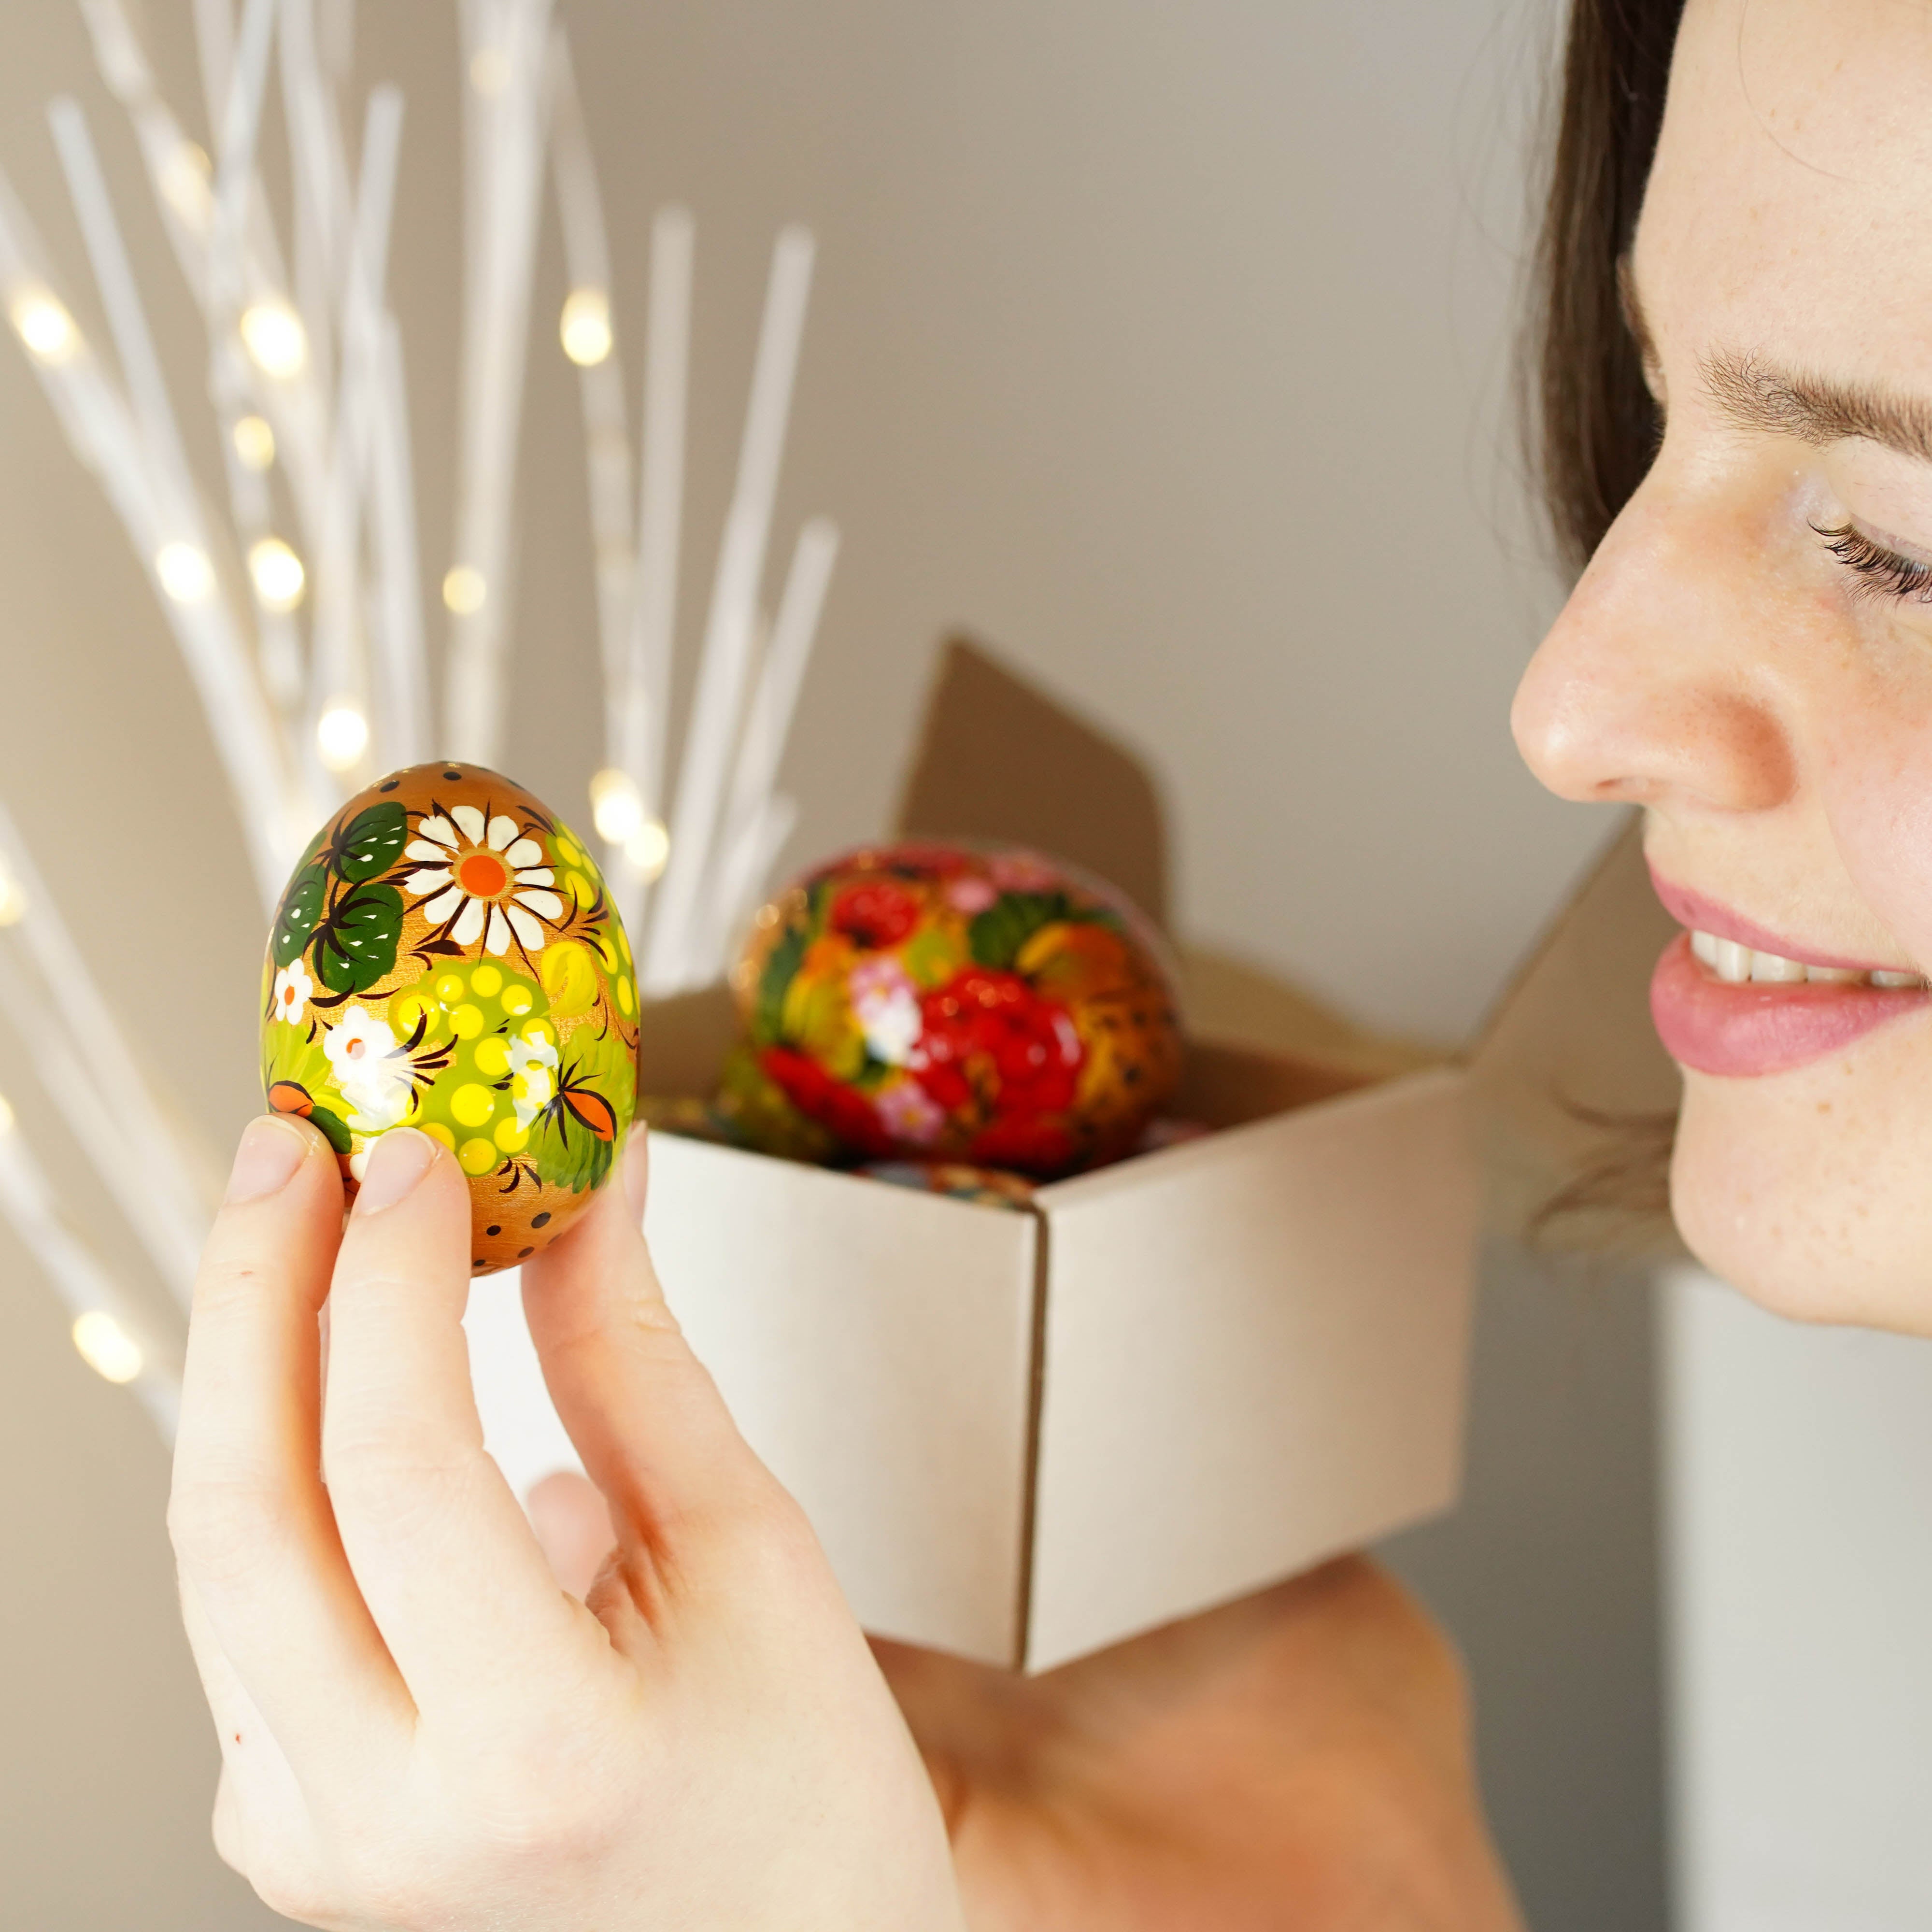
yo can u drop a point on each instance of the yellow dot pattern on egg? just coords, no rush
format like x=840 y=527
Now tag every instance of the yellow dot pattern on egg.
x=477 y=1156
x=466 y=1021
x=540 y=1032
x=493 y=1057
x=510 y=1137
x=450 y=989
x=627 y=1000
x=486 y=981
x=471 y=1105
x=437 y=1131
x=412 y=1010
x=517 y=1000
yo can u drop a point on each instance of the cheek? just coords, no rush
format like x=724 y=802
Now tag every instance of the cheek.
x=1877 y=785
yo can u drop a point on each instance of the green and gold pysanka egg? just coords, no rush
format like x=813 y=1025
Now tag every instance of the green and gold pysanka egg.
x=447 y=957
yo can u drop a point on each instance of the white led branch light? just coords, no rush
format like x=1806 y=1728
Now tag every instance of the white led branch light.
x=293 y=586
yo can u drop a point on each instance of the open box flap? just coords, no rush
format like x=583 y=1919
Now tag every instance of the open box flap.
x=1000 y=761
x=1574 y=1087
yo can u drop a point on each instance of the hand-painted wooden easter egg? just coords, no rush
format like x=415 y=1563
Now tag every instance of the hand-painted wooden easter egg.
x=942 y=1003
x=446 y=957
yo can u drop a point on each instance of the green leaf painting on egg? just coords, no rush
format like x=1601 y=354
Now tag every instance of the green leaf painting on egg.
x=296 y=918
x=998 y=935
x=355 y=944
x=575 y=1137
x=296 y=1079
x=370 y=843
x=782 y=966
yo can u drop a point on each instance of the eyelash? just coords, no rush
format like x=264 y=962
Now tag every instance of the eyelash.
x=1880 y=572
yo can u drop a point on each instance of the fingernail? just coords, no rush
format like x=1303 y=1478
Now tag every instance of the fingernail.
x=398 y=1160
x=271 y=1150
x=637 y=1168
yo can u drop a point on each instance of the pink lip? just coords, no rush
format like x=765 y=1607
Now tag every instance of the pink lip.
x=1702 y=915
x=1746 y=1030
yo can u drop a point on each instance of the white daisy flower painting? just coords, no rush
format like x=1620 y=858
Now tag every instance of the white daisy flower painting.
x=372 y=1069
x=484 y=877
x=293 y=991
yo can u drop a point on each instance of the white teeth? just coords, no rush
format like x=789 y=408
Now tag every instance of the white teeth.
x=1734 y=964
x=1775 y=967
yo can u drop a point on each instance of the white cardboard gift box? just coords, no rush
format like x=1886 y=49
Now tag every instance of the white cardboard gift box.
x=1021 y=1436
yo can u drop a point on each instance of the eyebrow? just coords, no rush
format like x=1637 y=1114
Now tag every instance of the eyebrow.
x=1757 y=394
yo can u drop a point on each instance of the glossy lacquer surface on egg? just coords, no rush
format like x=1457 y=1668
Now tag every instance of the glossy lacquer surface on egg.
x=446 y=957
x=928 y=1002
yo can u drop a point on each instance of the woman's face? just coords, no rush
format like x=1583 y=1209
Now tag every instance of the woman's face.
x=1749 y=655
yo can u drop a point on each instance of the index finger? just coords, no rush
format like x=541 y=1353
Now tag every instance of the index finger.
x=252 y=1527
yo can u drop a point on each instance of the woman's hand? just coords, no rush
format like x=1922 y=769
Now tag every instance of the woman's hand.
x=1298 y=1760
x=418 y=1728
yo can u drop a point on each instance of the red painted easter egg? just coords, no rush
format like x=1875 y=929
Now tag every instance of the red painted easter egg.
x=947 y=1002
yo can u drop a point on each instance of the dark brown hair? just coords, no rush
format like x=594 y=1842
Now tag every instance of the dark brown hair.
x=1593 y=430
x=1592 y=424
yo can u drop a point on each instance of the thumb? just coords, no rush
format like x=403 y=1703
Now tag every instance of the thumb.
x=642 y=1410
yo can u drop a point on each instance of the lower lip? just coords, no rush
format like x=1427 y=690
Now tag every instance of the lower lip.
x=1710 y=1026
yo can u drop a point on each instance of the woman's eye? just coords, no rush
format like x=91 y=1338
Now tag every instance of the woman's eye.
x=1877 y=572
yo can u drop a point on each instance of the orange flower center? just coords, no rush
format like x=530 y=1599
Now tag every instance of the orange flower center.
x=483 y=875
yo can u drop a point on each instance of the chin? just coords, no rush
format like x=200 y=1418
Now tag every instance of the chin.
x=1811 y=1191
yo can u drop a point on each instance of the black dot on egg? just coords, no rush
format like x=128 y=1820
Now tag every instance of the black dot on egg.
x=478 y=1263
x=540 y=1221
x=389 y=784
x=452 y=775
x=524 y=1253
x=493 y=1230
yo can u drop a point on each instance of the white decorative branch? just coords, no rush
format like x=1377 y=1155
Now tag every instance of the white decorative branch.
x=640 y=728
x=172 y=1218
x=673 y=960
x=503 y=44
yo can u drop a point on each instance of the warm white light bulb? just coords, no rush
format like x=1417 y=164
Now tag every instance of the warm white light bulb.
x=463 y=589
x=44 y=325
x=254 y=442
x=13 y=900
x=274 y=338
x=185 y=573
x=279 y=576
x=648 y=848
x=616 y=805
x=184 y=183
x=489 y=71
x=342 y=735
x=105 y=1347
x=586 y=326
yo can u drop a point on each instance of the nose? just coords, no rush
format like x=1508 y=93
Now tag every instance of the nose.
x=1647 y=691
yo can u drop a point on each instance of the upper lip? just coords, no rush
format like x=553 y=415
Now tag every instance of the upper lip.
x=1700 y=914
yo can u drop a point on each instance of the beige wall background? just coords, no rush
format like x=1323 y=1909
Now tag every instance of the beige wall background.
x=1164 y=347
